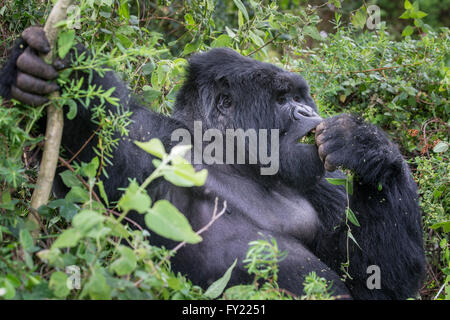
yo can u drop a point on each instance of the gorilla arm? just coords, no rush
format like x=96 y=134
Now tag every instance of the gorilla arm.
x=384 y=202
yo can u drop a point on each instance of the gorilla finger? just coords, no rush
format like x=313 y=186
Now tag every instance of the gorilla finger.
x=27 y=98
x=329 y=166
x=27 y=83
x=35 y=38
x=320 y=127
x=30 y=63
x=321 y=152
x=59 y=64
x=320 y=138
x=329 y=147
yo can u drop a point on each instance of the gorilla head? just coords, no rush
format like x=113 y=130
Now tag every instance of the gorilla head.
x=226 y=90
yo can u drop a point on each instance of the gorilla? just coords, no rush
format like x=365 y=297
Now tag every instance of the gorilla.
x=297 y=206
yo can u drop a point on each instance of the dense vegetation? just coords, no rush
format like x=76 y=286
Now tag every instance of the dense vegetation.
x=397 y=76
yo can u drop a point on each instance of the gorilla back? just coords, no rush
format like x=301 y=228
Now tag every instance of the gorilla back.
x=296 y=205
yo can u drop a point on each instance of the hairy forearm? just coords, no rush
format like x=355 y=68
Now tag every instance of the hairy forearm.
x=8 y=73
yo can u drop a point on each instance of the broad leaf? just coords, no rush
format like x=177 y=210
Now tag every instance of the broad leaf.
x=58 y=284
x=68 y=238
x=154 y=147
x=135 y=199
x=217 y=287
x=165 y=220
x=66 y=40
x=126 y=263
x=352 y=217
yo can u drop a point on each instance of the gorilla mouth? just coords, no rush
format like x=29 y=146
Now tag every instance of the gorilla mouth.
x=309 y=137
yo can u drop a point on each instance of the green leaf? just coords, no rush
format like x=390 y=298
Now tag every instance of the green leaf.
x=444 y=225
x=124 y=40
x=337 y=181
x=68 y=238
x=97 y=287
x=217 y=287
x=149 y=94
x=380 y=186
x=73 y=108
x=154 y=147
x=240 y=19
x=441 y=146
x=241 y=8
x=26 y=240
x=67 y=209
x=407 y=5
x=66 y=40
x=352 y=217
x=407 y=31
x=165 y=220
x=191 y=47
x=135 y=199
x=70 y=179
x=126 y=263
x=7 y=203
x=77 y=194
x=89 y=170
x=7 y=290
x=222 y=41
x=101 y=189
x=418 y=14
x=189 y=19
x=184 y=175
x=256 y=39
x=148 y=68
x=349 y=185
x=124 y=10
x=58 y=284
x=312 y=32
x=179 y=150
x=117 y=228
x=350 y=235
x=336 y=3
x=405 y=15
x=359 y=18
x=87 y=219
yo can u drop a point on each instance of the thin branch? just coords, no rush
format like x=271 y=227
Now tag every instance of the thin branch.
x=55 y=121
x=214 y=217
x=264 y=45
x=84 y=145
x=206 y=227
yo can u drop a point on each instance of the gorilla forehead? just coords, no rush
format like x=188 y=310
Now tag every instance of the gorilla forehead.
x=224 y=63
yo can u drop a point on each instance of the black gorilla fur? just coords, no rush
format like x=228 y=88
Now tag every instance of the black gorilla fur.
x=297 y=206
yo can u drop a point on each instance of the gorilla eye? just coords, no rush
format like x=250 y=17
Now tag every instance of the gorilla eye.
x=224 y=102
x=297 y=98
x=281 y=99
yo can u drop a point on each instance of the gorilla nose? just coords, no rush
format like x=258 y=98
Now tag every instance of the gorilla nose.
x=302 y=110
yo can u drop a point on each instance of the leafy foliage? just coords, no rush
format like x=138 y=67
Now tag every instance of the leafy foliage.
x=399 y=82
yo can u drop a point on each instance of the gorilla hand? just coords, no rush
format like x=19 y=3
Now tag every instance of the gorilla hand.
x=32 y=84
x=348 y=141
